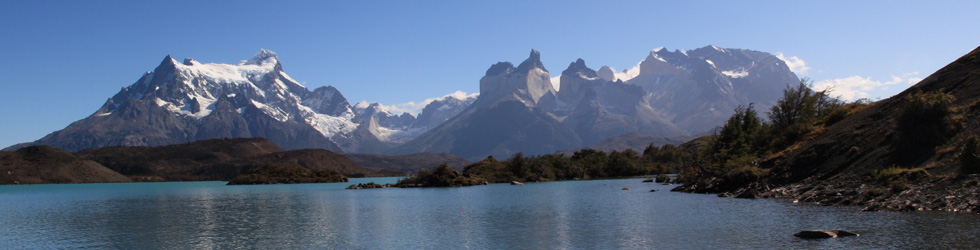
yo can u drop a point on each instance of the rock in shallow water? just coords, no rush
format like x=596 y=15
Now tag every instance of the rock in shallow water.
x=820 y=234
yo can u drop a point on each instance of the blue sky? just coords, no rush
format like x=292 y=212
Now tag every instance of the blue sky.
x=61 y=60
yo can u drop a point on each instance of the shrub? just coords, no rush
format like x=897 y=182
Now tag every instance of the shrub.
x=970 y=157
x=895 y=173
x=844 y=111
x=926 y=117
x=740 y=135
x=798 y=111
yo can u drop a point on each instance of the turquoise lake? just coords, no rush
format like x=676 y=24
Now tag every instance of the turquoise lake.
x=594 y=214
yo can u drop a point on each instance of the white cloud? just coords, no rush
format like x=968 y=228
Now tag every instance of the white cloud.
x=416 y=108
x=556 y=82
x=794 y=63
x=857 y=87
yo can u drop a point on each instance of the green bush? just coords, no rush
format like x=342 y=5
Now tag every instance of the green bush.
x=926 y=118
x=799 y=110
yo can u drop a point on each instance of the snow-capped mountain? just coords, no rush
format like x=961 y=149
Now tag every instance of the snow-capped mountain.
x=698 y=89
x=181 y=102
x=677 y=93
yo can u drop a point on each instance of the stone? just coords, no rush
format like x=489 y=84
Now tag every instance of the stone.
x=822 y=234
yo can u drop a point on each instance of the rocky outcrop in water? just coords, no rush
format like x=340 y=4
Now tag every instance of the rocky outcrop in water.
x=819 y=234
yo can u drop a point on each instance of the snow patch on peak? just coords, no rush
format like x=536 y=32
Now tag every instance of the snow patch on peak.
x=716 y=48
x=230 y=75
x=328 y=125
x=653 y=54
x=627 y=74
x=190 y=62
x=362 y=105
x=263 y=57
x=710 y=62
x=414 y=108
x=658 y=49
x=458 y=95
x=556 y=82
x=271 y=111
x=735 y=74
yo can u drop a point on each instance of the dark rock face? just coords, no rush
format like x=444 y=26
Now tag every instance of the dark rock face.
x=327 y=100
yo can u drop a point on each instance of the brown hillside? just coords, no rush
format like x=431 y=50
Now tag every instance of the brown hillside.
x=44 y=164
x=218 y=159
x=897 y=133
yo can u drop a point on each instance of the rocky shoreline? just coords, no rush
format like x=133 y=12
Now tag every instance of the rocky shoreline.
x=951 y=194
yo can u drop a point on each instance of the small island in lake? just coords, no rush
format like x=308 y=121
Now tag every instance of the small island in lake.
x=286 y=174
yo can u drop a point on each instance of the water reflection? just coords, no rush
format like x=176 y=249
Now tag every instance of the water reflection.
x=555 y=215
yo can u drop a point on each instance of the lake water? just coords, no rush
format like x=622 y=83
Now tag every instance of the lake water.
x=552 y=215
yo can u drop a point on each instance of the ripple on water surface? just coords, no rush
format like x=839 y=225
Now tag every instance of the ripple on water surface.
x=552 y=215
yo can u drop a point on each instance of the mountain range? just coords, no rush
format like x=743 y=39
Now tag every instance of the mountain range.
x=518 y=109
x=673 y=94
x=180 y=102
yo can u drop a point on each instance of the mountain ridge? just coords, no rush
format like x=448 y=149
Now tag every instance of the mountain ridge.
x=180 y=102
x=672 y=94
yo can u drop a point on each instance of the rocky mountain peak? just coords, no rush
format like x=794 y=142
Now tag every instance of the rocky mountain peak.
x=500 y=68
x=533 y=61
x=579 y=67
x=168 y=61
x=263 y=57
x=606 y=73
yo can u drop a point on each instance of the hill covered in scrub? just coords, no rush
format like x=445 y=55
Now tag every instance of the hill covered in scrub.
x=914 y=151
x=217 y=159
x=44 y=164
